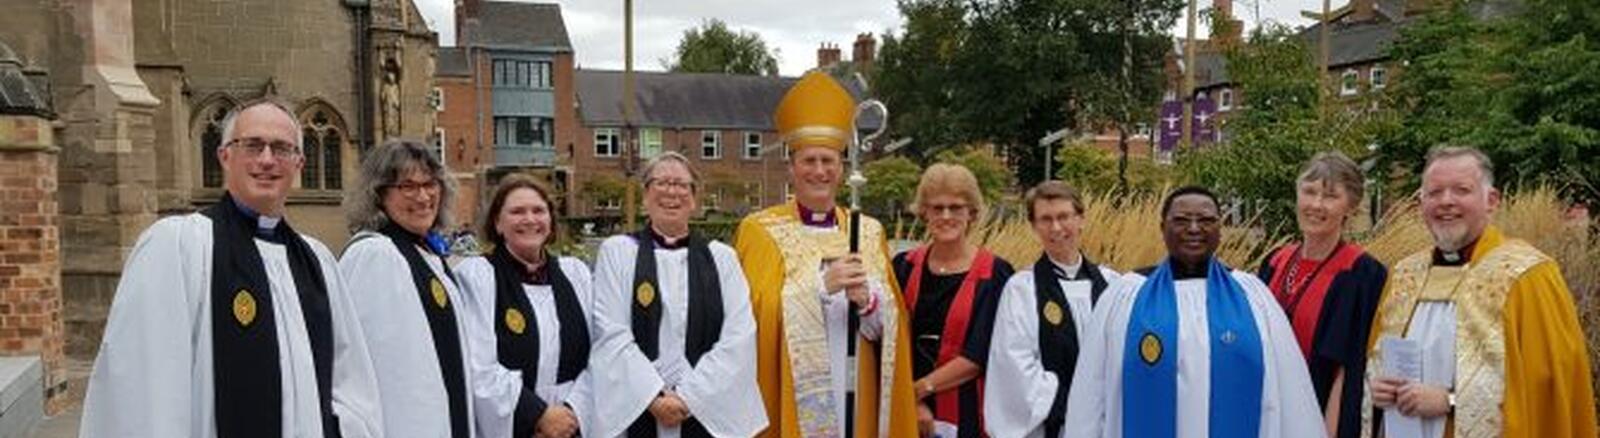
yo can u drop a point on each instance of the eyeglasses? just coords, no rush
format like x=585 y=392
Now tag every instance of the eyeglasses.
x=956 y=210
x=1203 y=222
x=253 y=146
x=413 y=188
x=666 y=184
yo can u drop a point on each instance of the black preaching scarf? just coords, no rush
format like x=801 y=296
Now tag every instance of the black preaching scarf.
x=244 y=337
x=441 y=317
x=705 y=313
x=517 y=333
x=1058 y=331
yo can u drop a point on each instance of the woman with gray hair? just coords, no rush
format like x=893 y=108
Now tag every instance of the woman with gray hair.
x=677 y=333
x=395 y=268
x=1329 y=288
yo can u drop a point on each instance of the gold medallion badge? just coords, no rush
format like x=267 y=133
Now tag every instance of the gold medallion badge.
x=515 y=321
x=439 y=297
x=646 y=294
x=244 y=308
x=1150 y=348
x=1052 y=312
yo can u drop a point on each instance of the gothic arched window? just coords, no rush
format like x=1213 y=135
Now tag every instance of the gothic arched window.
x=210 y=141
x=322 y=138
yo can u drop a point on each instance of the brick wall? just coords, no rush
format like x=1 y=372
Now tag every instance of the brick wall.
x=30 y=251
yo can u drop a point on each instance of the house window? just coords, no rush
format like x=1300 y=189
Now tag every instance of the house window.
x=1143 y=130
x=752 y=145
x=438 y=145
x=524 y=74
x=710 y=145
x=1348 y=83
x=608 y=204
x=752 y=198
x=523 y=131
x=713 y=200
x=1225 y=100
x=607 y=142
x=436 y=99
x=1380 y=78
x=323 y=143
x=650 y=143
x=788 y=191
x=210 y=142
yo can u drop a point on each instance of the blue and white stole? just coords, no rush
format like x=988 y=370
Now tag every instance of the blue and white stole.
x=1150 y=358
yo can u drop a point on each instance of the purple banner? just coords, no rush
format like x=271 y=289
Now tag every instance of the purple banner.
x=1170 y=123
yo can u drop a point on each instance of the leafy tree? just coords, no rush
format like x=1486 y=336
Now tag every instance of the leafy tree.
x=1523 y=87
x=1007 y=72
x=994 y=177
x=713 y=48
x=1095 y=170
x=892 y=182
x=1289 y=119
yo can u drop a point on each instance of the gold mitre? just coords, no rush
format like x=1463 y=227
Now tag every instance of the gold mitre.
x=817 y=111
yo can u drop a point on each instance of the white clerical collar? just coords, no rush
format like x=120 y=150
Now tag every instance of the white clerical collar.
x=1067 y=272
x=267 y=222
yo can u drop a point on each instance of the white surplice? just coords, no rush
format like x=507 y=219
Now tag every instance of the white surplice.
x=1433 y=326
x=415 y=402
x=720 y=391
x=154 y=378
x=496 y=388
x=1019 y=391
x=1288 y=401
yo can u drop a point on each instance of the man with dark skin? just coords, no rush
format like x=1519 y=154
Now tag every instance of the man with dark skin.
x=1172 y=341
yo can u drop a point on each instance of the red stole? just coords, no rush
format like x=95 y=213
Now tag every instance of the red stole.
x=1306 y=308
x=947 y=404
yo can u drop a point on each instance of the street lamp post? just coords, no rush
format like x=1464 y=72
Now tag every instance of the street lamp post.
x=630 y=149
x=1050 y=152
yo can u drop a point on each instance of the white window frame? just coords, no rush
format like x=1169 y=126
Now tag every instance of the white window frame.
x=650 y=142
x=1225 y=100
x=612 y=204
x=615 y=137
x=1378 y=71
x=713 y=200
x=436 y=97
x=1350 y=82
x=714 y=146
x=752 y=151
x=440 y=144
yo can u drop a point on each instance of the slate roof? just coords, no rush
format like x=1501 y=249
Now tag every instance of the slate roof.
x=518 y=26
x=453 y=62
x=19 y=95
x=688 y=100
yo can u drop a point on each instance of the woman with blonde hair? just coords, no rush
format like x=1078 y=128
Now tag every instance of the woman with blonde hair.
x=952 y=289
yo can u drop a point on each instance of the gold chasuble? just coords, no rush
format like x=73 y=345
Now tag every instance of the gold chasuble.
x=783 y=259
x=1522 y=368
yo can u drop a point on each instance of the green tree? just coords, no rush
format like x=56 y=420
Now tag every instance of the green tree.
x=891 y=183
x=1289 y=118
x=1095 y=170
x=713 y=48
x=1007 y=72
x=1524 y=88
x=994 y=177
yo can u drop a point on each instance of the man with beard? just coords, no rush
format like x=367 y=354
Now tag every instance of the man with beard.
x=1502 y=353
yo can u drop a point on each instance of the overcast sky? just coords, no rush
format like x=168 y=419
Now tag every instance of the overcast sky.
x=795 y=28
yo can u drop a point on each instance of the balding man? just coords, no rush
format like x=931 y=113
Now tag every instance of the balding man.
x=227 y=322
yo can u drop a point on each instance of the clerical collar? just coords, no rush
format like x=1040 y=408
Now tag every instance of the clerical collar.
x=539 y=276
x=662 y=243
x=266 y=226
x=1067 y=272
x=816 y=219
x=1458 y=257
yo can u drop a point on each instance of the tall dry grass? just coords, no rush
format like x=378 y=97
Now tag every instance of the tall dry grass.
x=1125 y=234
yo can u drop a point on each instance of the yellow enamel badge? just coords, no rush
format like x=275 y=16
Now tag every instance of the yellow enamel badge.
x=439 y=297
x=646 y=294
x=515 y=322
x=244 y=308
x=1052 y=312
x=1150 y=348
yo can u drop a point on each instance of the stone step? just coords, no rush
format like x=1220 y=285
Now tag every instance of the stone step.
x=21 y=395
